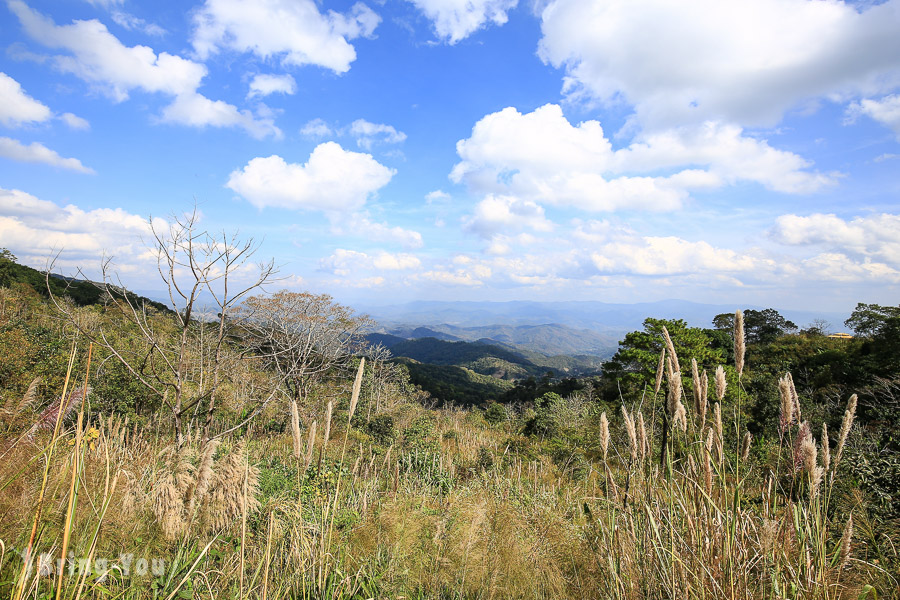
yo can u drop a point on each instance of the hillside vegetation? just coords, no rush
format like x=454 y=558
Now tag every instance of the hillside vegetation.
x=702 y=463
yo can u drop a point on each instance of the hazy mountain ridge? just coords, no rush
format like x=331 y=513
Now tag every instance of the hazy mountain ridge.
x=554 y=328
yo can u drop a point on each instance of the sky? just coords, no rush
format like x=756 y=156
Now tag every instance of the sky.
x=717 y=151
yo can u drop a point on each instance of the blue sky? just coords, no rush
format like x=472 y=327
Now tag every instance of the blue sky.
x=619 y=150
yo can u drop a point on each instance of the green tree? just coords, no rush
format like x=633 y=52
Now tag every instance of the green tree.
x=760 y=326
x=868 y=320
x=638 y=354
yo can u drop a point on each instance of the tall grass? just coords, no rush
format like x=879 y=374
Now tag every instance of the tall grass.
x=454 y=508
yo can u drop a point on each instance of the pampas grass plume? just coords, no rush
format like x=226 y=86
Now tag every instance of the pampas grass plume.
x=739 y=344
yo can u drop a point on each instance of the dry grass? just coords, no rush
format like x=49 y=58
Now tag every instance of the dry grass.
x=368 y=522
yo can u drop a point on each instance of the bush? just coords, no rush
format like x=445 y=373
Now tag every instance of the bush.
x=382 y=430
x=546 y=418
x=495 y=414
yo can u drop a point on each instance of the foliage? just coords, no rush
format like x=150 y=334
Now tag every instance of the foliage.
x=760 y=326
x=634 y=365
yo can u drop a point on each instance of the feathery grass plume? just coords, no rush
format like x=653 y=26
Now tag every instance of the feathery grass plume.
x=707 y=471
x=680 y=418
x=604 y=434
x=786 y=414
x=745 y=446
x=695 y=388
x=846 y=538
x=826 y=450
x=327 y=434
x=357 y=384
x=802 y=452
x=720 y=435
x=846 y=424
x=295 y=430
x=632 y=434
x=204 y=474
x=767 y=534
x=642 y=436
x=30 y=395
x=721 y=383
x=660 y=368
x=671 y=348
x=176 y=478
x=310 y=445
x=794 y=397
x=739 y=344
x=704 y=398
x=225 y=501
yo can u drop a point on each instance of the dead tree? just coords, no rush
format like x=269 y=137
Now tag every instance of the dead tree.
x=181 y=356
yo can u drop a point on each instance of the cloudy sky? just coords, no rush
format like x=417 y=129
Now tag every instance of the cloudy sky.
x=388 y=150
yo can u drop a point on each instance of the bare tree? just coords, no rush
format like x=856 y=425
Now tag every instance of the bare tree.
x=181 y=357
x=301 y=335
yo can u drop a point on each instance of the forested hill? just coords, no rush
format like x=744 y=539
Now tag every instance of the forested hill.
x=82 y=292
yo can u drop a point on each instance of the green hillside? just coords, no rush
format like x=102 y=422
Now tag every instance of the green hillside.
x=82 y=292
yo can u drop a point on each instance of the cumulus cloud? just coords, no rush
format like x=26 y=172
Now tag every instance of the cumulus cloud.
x=332 y=180
x=133 y=23
x=294 y=30
x=873 y=237
x=886 y=111
x=74 y=121
x=367 y=133
x=455 y=20
x=18 y=108
x=196 y=110
x=501 y=213
x=38 y=153
x=542 y=158
x=360 y=225
x=317 y=128
x=99 y=58
x=264 y=84
x=346 y=262
x=740 y=62
x=34 y=229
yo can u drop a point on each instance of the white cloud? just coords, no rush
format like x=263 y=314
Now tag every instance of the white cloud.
x=199 y=111
x=98 y=57
x=18 y=108
x=38 y=153
x=542 y=158
x=886 y=111
x=436 y=196
x=317 y=128
x=502 y=213
x=333 y=180
x=295 y=30
x=132 y=23
x=34 y=229
x=742 y=62
x=455 y=20
x=75 y=122
x=367 y=133
x=264 y=84
x=871 y=237
x=360 y=225
x=346 y=262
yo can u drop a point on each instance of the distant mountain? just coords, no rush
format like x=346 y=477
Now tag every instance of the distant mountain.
x=589 y=315
x=495 y=360
x=552 y=328
x=547 y=339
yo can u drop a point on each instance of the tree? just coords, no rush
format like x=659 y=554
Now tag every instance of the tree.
x=760 y=326
x=301 y=335
x=638 y=354
x=869 y=320
x=180 y=356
